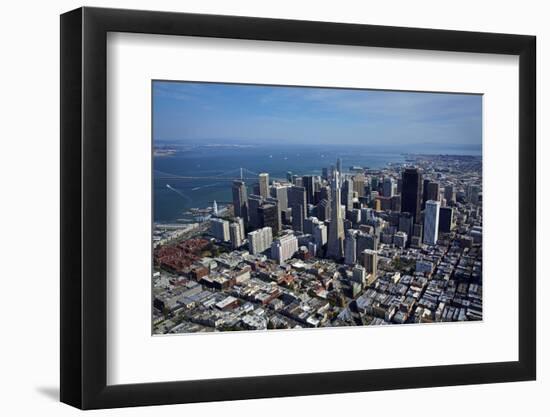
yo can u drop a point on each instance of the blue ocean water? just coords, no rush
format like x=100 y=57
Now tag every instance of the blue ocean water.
x=173 y=197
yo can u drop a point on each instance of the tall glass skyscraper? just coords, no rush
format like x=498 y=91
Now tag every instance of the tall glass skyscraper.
x=411 y=192
x=431 y=222
x=240 y=200
x=308 y=182
x=263 y=180
x=335 y=248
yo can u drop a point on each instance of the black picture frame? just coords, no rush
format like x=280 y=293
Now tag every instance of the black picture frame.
x=84 y=207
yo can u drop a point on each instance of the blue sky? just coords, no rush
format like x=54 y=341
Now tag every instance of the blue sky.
x=235 y=113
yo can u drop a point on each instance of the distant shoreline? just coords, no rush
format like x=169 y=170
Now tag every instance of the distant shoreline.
x=169 y=149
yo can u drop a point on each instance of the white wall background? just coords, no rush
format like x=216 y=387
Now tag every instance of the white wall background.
x=29 y=208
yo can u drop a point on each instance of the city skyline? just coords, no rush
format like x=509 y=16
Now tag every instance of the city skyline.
x=311 y=235
x=265 y=261
x=238 y=113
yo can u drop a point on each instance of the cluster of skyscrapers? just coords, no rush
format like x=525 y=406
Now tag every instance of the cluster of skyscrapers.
x=353 y=246
x=339 y=212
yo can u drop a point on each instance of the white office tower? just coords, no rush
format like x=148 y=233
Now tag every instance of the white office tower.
x=235 y=235
x=263 y=179
x=347 y=193
x=370 y=261
x=260 y=240
x=387 y=187
x=219 y=228
x=431 y=222
x=319 y=236
x=335 y=249
x=359 y=274
x=350 y=247
x=240 y=220
x=284 y=248
x=280 y=192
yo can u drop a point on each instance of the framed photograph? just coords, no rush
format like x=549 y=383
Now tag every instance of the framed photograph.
x=261 y=208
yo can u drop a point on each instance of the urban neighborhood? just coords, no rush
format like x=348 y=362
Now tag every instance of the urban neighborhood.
x=354 y=246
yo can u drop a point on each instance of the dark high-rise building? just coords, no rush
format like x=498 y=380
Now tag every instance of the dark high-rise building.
x=366 y=241
x=240 y=200
x=450 y=194
x=254 y=203
x=268 y=216
x=309 y=224
x=275 y=202
x=393 y=218
x=425 y=192
x=308 y=182
x=396 y=203
x=374 y=183
x=348 y=224
x=323 y=210
x=385 y=203
x=297 y=218
x=411 y=192
x=297 y=196
x=433 y=191
x=256 y=189
x=297 y=201
x=406 y=223
x=417 y=230
x=445 y=219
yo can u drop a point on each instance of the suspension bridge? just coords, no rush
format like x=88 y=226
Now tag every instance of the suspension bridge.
x=242 y=174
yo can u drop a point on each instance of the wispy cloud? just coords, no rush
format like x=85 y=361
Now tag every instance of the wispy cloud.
x=309 y=115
